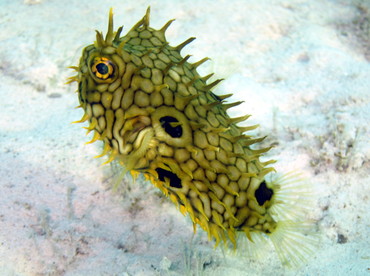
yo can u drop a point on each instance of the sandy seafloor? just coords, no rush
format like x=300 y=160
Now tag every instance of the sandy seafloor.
x=303 y=70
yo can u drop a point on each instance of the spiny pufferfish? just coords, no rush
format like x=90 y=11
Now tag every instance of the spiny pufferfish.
x=157 y=116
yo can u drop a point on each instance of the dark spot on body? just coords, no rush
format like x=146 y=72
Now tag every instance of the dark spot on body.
x=263 y=193
x=175 y=181
x=173 y=131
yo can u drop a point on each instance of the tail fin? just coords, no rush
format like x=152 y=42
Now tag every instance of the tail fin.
x=294 y=242
x=254 y=248
x=295 y=238
x=293 y=197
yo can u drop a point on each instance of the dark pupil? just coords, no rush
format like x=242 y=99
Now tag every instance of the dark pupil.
x=102 y=68
x=175 y=181
x=263 y=193
x=176 y=131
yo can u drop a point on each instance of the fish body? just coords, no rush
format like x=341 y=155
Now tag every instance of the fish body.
x=157 y=116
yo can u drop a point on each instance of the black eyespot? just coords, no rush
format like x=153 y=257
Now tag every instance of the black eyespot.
x=263 y=193
x=175 y=131
x=103 y=69
x=175 y=181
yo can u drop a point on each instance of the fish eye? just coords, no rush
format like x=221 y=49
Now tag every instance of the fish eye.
x=103 y=69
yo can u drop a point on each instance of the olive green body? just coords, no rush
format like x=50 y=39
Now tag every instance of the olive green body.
x=157 y=116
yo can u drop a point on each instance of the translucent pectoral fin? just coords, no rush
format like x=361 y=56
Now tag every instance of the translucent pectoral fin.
x=295 y=237
x=295 y=242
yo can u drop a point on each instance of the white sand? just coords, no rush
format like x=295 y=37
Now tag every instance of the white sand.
x=302 y=68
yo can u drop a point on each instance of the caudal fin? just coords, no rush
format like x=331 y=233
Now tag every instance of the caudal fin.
x=295 y=238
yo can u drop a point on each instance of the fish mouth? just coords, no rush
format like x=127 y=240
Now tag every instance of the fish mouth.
x=143 y=141
x=135 y=139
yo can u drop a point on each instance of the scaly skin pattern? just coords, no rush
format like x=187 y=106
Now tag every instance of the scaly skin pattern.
x=157 y=116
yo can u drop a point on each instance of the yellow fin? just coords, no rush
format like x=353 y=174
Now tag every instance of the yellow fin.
x=294 y=238
x=292 y=198
x=251 y=244
x=118 y=179
x=111 y=157
x=294 y=242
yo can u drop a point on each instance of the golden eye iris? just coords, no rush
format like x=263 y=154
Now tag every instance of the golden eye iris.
x=103 y=68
